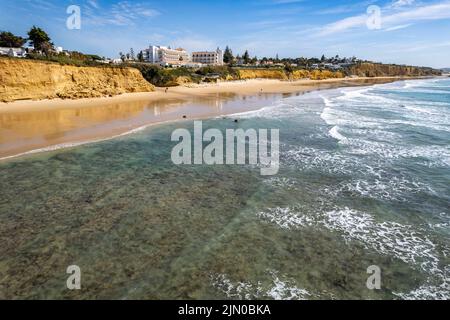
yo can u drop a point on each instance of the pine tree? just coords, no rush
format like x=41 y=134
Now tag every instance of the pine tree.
x=140 y=56
x=39 y=39
x=122 y=56
x=228 y=55
x=246 y=57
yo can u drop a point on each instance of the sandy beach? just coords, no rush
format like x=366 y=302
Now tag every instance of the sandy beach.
x=33 y=126
x=245 y=87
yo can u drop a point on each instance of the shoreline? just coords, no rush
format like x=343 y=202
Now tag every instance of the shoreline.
x=180 y=102
x=248 y=87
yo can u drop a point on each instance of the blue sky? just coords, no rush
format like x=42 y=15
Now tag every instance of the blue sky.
x=412 y=31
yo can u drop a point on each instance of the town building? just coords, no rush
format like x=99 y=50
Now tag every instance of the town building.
x=193 y=65
x=266 y=62
x=166 y=56
x=13 y=52
x=240 y=61
x=214 y=58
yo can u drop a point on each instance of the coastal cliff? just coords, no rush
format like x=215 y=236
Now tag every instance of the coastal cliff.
x=246 y=74
x=33 y=80
x=368 y=69
x=280 y=74
x=361 y=70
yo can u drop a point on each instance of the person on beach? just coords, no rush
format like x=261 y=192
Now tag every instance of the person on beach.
x=167 y=89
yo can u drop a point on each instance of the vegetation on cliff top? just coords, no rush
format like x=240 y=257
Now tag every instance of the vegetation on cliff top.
x=9 y=40
x=167 y=77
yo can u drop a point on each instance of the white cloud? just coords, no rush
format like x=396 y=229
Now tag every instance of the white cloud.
x=431 y=12
x=93 y=3
x=41 y=4
x=438 y=11
x=343 y=25
x=399 y=27
x=347 y=7
x=123 y=13
x=402 y=3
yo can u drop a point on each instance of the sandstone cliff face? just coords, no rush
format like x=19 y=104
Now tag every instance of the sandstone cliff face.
x=27 y=79
x=245 y=74
x=367 y=69
x=316 y=75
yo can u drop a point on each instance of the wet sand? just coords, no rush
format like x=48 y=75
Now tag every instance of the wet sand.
x=34 y=126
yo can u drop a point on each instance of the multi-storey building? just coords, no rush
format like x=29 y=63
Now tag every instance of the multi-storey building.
x=208 y=57
x=166 y=56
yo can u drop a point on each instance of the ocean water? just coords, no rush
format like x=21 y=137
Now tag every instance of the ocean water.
x=364 y=180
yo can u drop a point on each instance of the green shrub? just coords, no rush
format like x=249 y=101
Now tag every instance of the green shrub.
x=75 y=59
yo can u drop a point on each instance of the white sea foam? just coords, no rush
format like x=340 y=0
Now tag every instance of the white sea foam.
x=254 y=113
x=236 y=289
x=280 y=288
x=286 y=290
x=326 y=161
x=328 y=102
x=284 y=108
x=371 y=135
x=428 y=292
x=434 y=289
x=374 y=134
x=340 y=117
x=286 y=218
x=355 y=108
x=279 y=110
x=436 y=155
x=388 y=238
x=284 y=183
x=373 y=128
x=376 y=186
x=404 y=242
x=444 y=223
x=334 y=132
x=396 y=188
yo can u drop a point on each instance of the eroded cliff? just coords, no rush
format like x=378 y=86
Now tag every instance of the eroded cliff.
x=35 y=80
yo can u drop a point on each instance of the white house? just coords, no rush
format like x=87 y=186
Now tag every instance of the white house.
x=13 y=52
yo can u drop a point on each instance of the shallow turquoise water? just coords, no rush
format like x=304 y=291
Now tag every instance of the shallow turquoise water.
x=364 y=180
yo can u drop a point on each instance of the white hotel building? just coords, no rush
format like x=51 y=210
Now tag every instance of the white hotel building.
x=166 y=56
